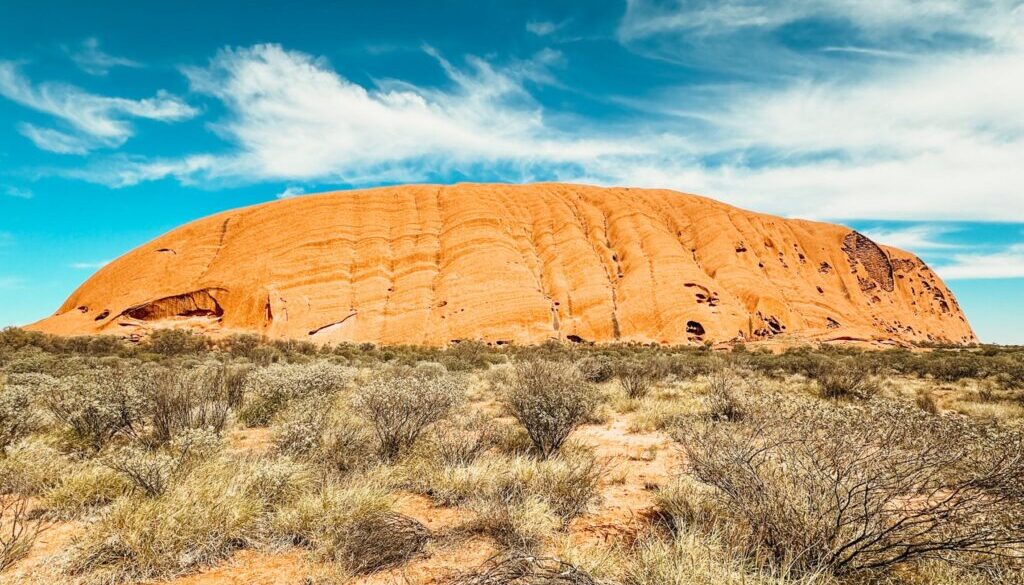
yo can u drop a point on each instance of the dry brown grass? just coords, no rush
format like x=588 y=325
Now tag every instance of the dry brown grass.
x=846 y=490
x=502 y=469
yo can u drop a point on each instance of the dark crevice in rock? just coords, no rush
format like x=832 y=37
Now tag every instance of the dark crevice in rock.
x=332 y=324
x=197 y=303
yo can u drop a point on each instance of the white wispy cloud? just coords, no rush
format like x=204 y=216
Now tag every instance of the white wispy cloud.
x=293 y=117
x=933 y=137
x=708 y=18
x=543 y=28
x=17 y=192
x=914 y=238
x=290 y=191
x=92 y=121
x=89 y=265
x=936 y=139
x=869 y=51
x=1007 y=263
x=94 y=61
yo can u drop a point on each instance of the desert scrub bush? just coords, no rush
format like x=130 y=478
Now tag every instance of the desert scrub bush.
x=461 y=441
x=223 y=505
x=268 y=390
x=845 y=379
x=520 y=524
x=94 y=406
x=861 y=487
x=695 y=558
x=596 y=368
x=353 y=525
x=651 y=414
x=686 y=502
x=175 y=342
x=185 y=400
x=723 y=400
x=17 y=417
x=468 y=355
x=953 y=366
x=401 y=403
x=151 y=469
x=926 y=401
x=636 y=377
x=324 y=434
x=86 y=488
x=18 y=529
x=550 y=400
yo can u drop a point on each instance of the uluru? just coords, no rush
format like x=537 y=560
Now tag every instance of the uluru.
x=427 y=264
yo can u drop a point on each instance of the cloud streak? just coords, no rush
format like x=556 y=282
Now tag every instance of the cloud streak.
x=17 y=192
x=1007 y=263
x=91 y=121
x=91 y=59
x=898 y=135
x=915 y=238
x=293 y=117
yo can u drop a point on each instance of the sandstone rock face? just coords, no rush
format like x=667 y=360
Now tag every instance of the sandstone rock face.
x=515 y=264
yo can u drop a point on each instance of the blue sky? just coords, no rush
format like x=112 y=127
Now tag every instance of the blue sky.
x=905 y=119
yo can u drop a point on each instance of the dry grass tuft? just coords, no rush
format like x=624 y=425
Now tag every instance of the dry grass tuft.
x=353 y=525
x=219 y=507
x=520 y=568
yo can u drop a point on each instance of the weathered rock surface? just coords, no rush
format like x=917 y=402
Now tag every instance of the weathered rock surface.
x=428 y=264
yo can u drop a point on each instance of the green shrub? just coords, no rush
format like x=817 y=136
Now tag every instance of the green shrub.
x=637 y=376
x=550 y=400
x=462 y=441
x=95 y=406
x=596 y=368
x=175 y=342
x=268 y=390
x=152 y=469
x=185 y=400
x=954 y=366
x=324 y=434
x=845 y=379
x=401 y=404
x=467 y=355
x=17 y=417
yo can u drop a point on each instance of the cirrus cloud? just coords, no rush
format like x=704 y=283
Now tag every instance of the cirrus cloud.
x=92 y=121
x=919 y=137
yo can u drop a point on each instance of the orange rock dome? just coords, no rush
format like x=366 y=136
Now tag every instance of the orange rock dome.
x=426 y=264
